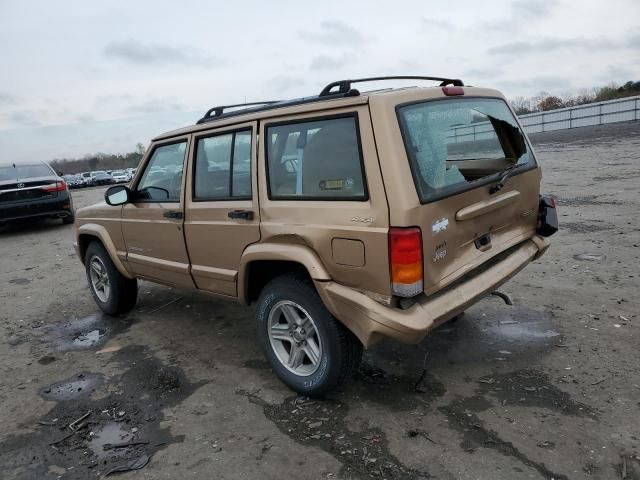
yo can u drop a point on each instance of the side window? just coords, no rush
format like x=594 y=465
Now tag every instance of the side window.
x=315 y=159
x=162 y=178
x=223 y=167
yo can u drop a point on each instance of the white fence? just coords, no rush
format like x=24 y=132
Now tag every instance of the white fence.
x=620 y=110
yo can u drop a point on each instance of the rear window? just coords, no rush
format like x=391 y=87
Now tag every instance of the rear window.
x=456 y=144
x=318 y=159
x=24 y=171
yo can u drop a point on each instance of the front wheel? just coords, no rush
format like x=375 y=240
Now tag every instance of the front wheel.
x=309 y=350
x=113 y=292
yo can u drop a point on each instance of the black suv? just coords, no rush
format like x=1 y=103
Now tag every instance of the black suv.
x=33 y=190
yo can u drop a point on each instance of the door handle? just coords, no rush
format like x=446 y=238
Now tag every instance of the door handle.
x=172 y=214
x=246 y=214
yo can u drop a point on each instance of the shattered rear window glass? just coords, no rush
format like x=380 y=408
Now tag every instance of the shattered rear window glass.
x=455 y=142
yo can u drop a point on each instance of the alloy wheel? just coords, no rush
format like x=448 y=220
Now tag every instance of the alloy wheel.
x=294 y=338
x=99 y=279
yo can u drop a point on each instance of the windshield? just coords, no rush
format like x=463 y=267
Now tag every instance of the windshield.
x=454 y=144
x=17 y=172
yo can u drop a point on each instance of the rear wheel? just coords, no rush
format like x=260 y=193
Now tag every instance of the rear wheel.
x=113 y=292
x=310 y=351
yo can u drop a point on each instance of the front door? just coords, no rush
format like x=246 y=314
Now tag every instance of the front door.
x=222 y=213
x=152 y=224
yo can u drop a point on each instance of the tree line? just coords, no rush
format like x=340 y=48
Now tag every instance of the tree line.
x=99 y=161
x=544 y=101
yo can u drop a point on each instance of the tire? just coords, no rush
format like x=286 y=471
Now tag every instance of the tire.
x=122 y=291
x=69 y=219
x=338 y=352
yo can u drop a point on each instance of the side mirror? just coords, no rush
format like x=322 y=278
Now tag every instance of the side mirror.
x=118 y=195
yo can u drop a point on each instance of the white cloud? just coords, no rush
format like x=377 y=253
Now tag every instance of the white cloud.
x=135 y=52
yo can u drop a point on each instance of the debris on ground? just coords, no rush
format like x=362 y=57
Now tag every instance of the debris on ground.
x=136 y=464
x=175 y=300
x=76 y=425
x=546 y=444
x=419 y=387
x=504 y=296
x=420 y=433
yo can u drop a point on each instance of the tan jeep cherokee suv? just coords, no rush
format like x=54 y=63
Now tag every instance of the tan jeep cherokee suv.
x=347 y=217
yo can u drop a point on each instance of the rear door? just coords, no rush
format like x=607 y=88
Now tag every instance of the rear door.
x=457 y=149
x=222 y=214
x=152 y=221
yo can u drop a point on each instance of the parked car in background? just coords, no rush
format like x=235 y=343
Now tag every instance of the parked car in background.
x=346 y=217
x=102 y=178
x=32 y=191
x=87 y=178
x=120 y=176
x=74 y=181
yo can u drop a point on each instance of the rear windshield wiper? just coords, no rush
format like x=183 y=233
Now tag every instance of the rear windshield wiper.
x=504 y=176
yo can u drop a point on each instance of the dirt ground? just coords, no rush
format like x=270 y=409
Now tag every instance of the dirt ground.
x=546 y=388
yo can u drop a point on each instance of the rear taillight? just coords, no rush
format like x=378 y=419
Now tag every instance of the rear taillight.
x=405 y=257
x=55 y=187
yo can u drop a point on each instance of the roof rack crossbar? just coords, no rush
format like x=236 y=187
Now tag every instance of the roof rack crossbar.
x=219 y=110
x=344 y=86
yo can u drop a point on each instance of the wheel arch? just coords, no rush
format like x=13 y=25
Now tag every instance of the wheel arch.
x=262 y=262
x=88 y=233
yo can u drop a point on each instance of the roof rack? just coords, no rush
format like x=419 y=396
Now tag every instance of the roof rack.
x=344 y=86
x=219 y=110
x=327 y=93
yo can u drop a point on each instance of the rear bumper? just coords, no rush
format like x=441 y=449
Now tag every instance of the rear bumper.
x=59 y=206
x=370 y=321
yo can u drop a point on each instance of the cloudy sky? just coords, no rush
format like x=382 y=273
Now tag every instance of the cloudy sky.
x=79 y=77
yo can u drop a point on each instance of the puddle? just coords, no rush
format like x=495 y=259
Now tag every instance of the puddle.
x=590 y=257
x=83 y=384
x=322 y=424
x=20 y=281
x=121 y=428
x=84 y=333
x=89 y=339
x=521 y=332
x=104 y=438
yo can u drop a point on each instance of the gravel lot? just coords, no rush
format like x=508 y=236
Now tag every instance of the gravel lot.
x=547 y=388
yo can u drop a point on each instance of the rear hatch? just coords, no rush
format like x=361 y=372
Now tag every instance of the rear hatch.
x=25 y=183
x=459 y=148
